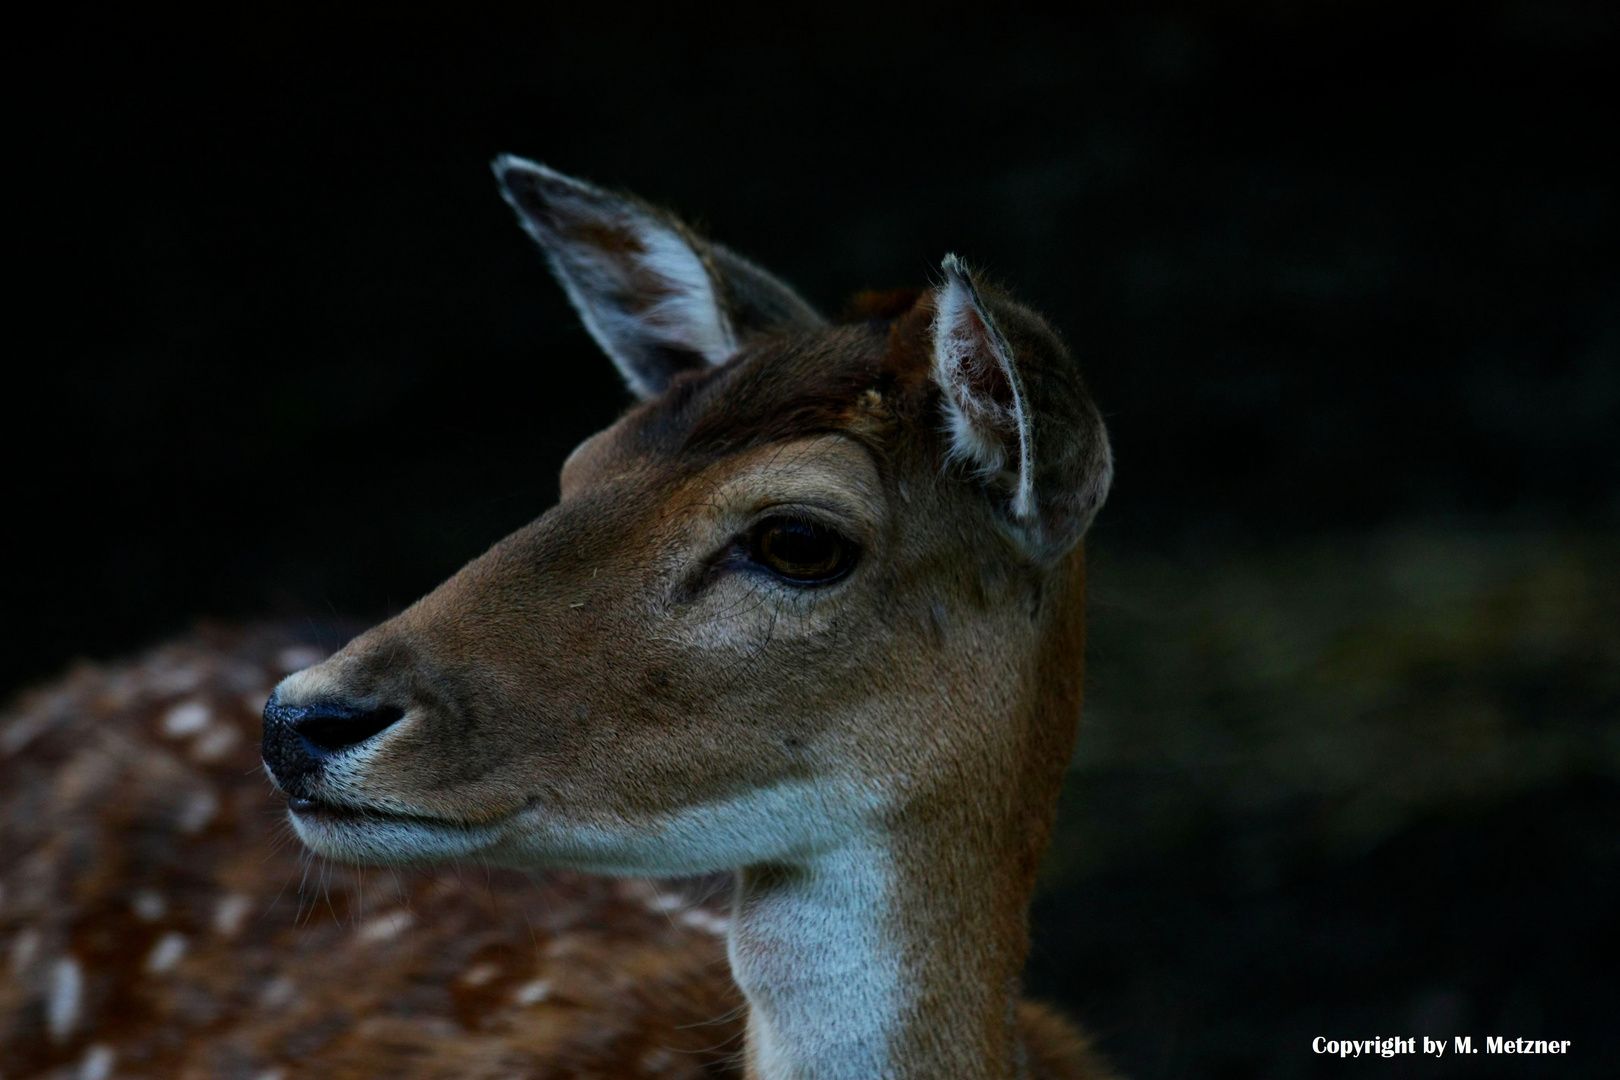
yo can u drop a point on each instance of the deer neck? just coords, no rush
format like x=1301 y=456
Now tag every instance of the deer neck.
x=899 y=953
x=880 y=959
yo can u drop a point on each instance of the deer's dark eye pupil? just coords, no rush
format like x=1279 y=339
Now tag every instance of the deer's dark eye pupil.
x=801 y=551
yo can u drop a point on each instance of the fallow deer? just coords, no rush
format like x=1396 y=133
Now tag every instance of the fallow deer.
x=810 y=613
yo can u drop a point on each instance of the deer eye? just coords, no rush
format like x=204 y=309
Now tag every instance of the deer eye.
x=800 y=551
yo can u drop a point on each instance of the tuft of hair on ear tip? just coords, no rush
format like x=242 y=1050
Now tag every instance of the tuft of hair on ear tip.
x=506 y=166
x=957 y=273
x=521 y=181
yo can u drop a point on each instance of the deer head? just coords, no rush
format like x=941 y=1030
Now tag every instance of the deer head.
x=810 y=609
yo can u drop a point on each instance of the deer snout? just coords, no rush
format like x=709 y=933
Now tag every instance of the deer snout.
x=298 y=739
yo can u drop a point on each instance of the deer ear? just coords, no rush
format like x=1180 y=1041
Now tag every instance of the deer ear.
x=655 y=296
x=1018 y=415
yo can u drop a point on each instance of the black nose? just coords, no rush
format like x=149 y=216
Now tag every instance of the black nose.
x=297 y=738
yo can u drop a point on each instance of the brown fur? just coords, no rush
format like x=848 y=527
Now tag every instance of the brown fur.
x=884 y=304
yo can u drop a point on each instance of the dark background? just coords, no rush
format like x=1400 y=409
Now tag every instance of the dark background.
x=1343 y=279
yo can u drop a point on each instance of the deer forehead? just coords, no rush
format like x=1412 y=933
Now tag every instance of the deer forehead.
x=777 y=392
x=833 y=474
x=684 y=496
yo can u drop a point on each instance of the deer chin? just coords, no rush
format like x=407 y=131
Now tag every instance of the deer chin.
x=372 y=836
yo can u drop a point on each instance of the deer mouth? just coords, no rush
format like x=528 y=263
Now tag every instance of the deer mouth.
x=372 y=835
x=315 y=808
x=319 y=810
